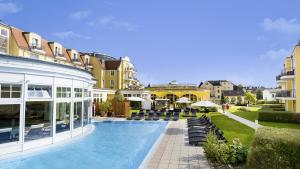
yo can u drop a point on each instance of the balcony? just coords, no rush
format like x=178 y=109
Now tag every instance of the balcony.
x=76 y=61
x=129 y=69
x=36 y=48
x=88 y=66
x=286 y=94
x=60 y=56
x=285 y=75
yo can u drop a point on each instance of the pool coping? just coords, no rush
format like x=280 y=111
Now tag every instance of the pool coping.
x=29 y=152
x=153 y=149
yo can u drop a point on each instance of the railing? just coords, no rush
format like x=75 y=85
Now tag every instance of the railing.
x=285 y=73
x=36 y=47
x=59 y=55
x=75 y=60
x=286 y=93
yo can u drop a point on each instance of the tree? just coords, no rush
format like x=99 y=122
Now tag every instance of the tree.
x=259 y=94
x=240 y=88
x=118 y=96
x=104 y=107
x=226 y=99
x=239 y=100
x=222 y=99
x=233 y=100
x=250 y=97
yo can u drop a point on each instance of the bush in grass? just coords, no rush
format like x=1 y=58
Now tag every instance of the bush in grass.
x=283 y=117
x=243 y=109
x=222 y=153
x=213 y=109
x=275 y=148
x=278 y=109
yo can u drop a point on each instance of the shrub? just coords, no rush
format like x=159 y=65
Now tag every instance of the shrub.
x=275 y=148
x=283 y=117
x=223 y=153
x=213 y=109
x=279 y=109
x=243 y=109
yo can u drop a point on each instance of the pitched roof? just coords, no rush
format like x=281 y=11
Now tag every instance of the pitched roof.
x=233 y=93
x=19 y=37
x=46 y=48
x=112 y=64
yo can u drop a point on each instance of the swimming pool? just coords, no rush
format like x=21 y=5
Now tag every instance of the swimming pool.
x=113 y=145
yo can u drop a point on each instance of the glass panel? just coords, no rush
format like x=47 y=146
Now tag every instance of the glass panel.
x=15 y=94
x=36 y=91
x=78 y=92
x=38 y=120
x=62 y=117
x=86 y=113
x=77 y=114
x=9 y=123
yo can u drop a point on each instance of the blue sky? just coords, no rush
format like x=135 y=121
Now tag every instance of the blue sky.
x=189 y=41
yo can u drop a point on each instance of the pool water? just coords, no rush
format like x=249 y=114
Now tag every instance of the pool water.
x=113 y=145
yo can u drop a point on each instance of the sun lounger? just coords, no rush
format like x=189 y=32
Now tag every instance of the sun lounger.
x=5 y=135
x=35 y=132
x=150 y=116
x=157 y=116
x=168 y=116
x=133 y=115
x=140 y=116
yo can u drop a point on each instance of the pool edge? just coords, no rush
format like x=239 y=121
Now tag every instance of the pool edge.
x=153 y=149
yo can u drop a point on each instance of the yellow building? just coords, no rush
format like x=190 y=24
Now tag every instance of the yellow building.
x=17 y=42
x=288 y=82
x=114 y=73
x=173 y=91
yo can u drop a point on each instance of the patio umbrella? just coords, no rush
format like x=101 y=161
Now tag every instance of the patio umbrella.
x=136 y=99
x=204 y=104
x=183 y=100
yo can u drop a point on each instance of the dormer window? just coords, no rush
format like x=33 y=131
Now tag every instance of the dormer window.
x=35 y=42
x=74 y=56
x=4 y=41
x=57 y=51
x=87 y=61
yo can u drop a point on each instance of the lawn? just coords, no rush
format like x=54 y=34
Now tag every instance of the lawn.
x=233 y=129
x=252 y=115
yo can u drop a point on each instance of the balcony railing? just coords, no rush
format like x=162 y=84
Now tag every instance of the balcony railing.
x=59 y=55
x=36 y=47
x=286 y=93
x=285 y=73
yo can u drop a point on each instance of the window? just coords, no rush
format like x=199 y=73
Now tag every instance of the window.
x=57 y=51
x=87 y=61
x=35 y=42
x=112 y=83
x=86 y=113
x=62 y=117
x=4 y=41
x=38 y=120
x=9 y=123
x=74 y=56
x=10 y=91
x=38 y=91
x=78 y=92
x=63 y=92
x=112 y=73
x=77 y=114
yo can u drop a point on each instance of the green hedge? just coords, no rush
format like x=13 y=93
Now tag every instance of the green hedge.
x=275 y=148
x=283 y=117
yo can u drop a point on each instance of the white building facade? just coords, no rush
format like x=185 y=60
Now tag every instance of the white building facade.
x=42 y=103
x=269 y=94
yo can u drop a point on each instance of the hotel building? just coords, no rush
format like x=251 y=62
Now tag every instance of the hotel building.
x=287 y=81
x=45 y=91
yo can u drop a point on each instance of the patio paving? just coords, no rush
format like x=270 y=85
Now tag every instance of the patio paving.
x=174 y=152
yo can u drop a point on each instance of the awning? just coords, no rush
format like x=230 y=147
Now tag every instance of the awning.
x=137 y=99
x=204 y=104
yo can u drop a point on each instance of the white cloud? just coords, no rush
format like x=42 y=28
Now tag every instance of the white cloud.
x=70 y=35
x=80 y=15
x=7 y=7
x=112 y=22
x=281 y=25
x=276 y=54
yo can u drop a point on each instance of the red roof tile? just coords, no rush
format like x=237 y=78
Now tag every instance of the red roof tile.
x=19 y=37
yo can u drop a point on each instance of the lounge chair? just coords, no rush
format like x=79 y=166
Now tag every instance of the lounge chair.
x=35 y=132
x=194 y=111
x=168 y=116
x=150 y=116
x=186 y=113
x=139 y=116
x=133 y=115
x=197 y=141
x=5 y=135
x=176 y=116
x=157 y=116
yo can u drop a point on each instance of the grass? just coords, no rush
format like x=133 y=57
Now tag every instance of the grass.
x=233 y=129
x=252 y=115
